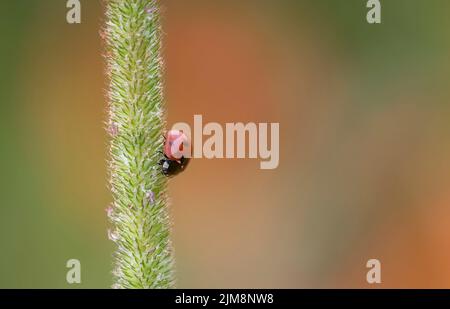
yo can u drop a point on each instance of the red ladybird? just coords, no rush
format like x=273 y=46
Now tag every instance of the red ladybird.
x=174 y=161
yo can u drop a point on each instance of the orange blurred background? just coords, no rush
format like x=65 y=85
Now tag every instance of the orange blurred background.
x=364 y=143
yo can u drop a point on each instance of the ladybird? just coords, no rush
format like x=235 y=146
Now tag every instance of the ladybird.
x=174 y=162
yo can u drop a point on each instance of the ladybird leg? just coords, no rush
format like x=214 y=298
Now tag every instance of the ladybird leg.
x=180 y=160
x=162 y=153
x=183 y=160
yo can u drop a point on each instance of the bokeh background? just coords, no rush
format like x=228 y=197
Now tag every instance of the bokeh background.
x=365 y=143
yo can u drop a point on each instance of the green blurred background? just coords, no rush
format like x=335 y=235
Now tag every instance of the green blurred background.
x=365 y=140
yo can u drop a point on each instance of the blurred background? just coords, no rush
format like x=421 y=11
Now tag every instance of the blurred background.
x=365 y=141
